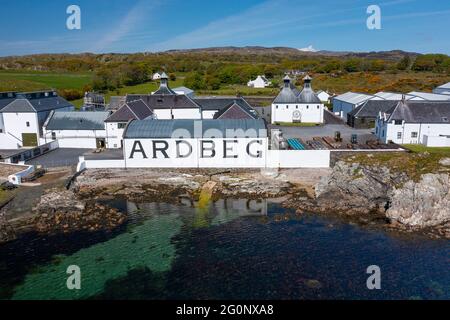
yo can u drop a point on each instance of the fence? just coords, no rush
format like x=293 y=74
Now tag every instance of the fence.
x=29 y=154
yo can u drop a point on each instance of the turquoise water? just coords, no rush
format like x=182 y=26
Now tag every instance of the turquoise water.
x=233 y=249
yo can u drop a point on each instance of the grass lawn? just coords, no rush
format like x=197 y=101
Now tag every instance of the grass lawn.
x=419 y=161
x=5 y=196
x=298 y=124
x=31 y=81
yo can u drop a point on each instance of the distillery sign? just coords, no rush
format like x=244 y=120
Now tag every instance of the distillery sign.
x=222 y=152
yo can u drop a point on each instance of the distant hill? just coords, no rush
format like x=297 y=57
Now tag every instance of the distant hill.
x=392 y=55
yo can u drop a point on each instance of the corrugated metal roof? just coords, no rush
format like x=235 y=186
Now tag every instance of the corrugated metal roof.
x=430 y=96
x=185 y=90
x=445 y=86
x=392 y=95
x=353 y=98
x=73 y=120
x=229 y=128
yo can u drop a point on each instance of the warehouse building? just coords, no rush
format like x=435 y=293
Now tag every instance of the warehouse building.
x=83 y=129
x=345 y=103
x=415 y=122
x=365 y=116
x=292 y=105
x=24 y=116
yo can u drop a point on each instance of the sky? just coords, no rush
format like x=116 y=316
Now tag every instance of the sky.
x=125 y=26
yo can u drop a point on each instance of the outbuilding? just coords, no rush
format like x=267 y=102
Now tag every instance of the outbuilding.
x=83 y=129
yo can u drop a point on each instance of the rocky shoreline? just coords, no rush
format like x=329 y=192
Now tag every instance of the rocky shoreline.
x=361 y=193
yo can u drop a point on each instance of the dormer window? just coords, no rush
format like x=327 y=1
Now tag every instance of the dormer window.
x=444 y=119
x=398 y=122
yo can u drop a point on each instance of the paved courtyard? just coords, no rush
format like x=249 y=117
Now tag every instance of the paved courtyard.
x=62 y=157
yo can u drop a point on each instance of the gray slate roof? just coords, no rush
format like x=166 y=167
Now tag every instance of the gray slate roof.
x=133 y=110
x=6 y=98
x=165 y=128
x=37 y=102
x=421 y=112
x=73 y=120
x=371 y=108
x=157 y=101
x=220 y=103
x=236 y=111
x=290 y=94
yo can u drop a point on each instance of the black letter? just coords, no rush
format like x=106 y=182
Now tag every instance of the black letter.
x=134 y=149
x=178 y=149
x=213 y=145
x=258 y=154
x=163 y=150
x=225 y=149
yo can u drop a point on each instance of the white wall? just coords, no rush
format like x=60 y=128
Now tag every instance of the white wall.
x=436 y=141
x=403 y=133
x=76 y=138
x=310 y=113
x=298 y=158
x=16 y=124
x=163 y=114
x=209 y=114
x=194 y=159
x=114 y=135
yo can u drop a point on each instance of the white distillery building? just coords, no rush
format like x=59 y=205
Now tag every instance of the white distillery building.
x=24 y=116
x=259 y=82
x=443 y=89
x=212 y=143
x=292 y=105
x=76 y=129
x=117 y=122
x=415 y=122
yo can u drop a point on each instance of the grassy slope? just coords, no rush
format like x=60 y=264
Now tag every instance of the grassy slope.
x=420 y=160
x=28 y=81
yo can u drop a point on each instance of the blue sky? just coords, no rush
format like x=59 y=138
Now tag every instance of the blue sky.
x=39 y=26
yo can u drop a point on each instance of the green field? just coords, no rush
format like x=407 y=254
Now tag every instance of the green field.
x=35 y=80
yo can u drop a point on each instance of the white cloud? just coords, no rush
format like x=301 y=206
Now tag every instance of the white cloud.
x=308 y=49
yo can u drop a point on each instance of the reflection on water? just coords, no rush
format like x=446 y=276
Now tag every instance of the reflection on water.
x=221 y=250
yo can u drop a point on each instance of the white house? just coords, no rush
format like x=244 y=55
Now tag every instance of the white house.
x=259 y=82
x=156 y=76
x=323 y=96
x=292 y=105
x=444 y=89
x=347 y=102
x=415 y=122
x=117 y=122
x=76 y=129
x=24 y=117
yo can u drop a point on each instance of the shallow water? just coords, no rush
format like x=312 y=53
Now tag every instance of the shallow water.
x=233 y=249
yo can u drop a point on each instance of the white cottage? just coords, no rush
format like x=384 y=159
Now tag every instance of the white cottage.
x=415 y=122
x=292 y=105
x=259 y=82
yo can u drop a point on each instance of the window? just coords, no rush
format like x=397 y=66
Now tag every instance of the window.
x=1 y=130
x=399 y=135
x=398 y=122
x=296 y=107
x=276 y=107
x=28 y=124
x=413 y=135
x=307 y=107
x=121 y=125
x=53 y=135
x=445 y=119
x=318 y=107
x=287 y=107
